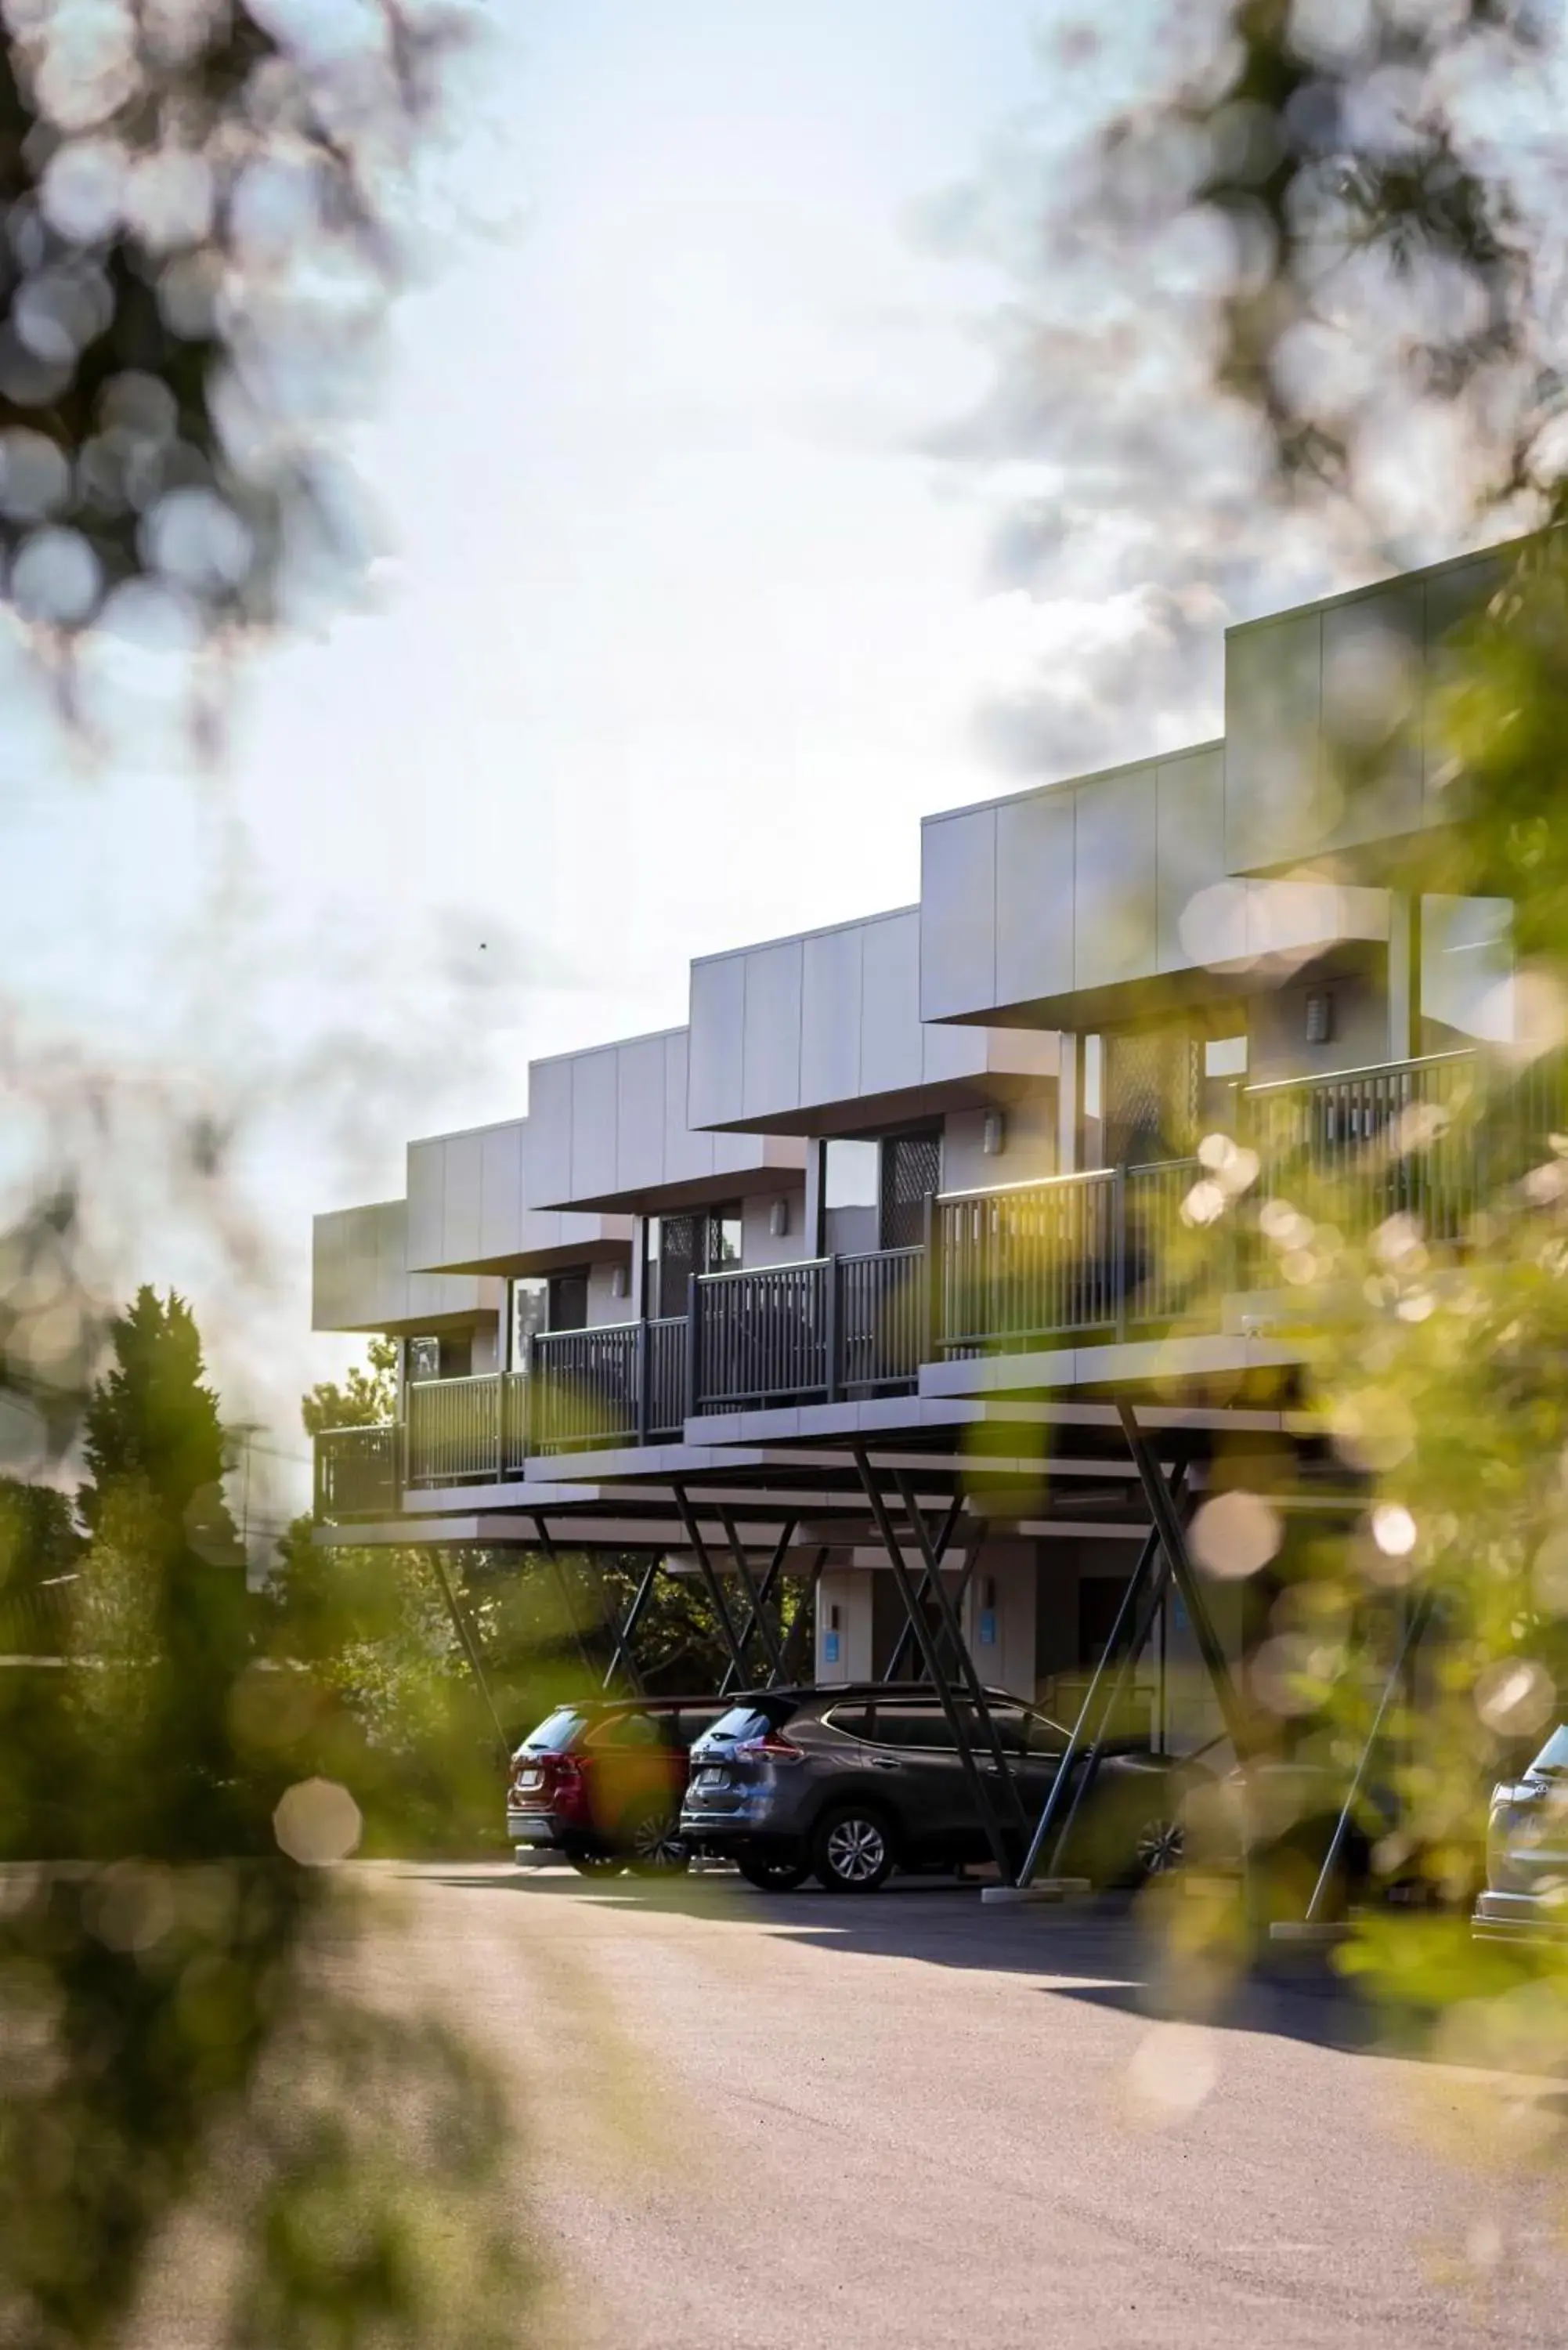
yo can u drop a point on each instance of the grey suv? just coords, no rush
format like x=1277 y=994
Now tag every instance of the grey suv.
x=849 y=1784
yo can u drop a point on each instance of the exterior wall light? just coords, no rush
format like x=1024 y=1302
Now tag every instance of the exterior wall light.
x=778 y=1220
x=993 y=1134
x=1320 y=1017
x=620 y=1281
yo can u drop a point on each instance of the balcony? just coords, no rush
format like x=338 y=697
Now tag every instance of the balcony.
x=1105 y=1255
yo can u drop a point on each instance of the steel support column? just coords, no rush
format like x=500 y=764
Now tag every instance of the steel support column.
x=902 y=1644
x=622 y=1660
x=982 y=1793
x=469 y=1644
x=568 y=1601
x=760 y=1600
x=1089 y=1710
x=1416 y=1625
x=804 y=1614
x=715 y=1588
x=1173 y=1535
x=758 y=1618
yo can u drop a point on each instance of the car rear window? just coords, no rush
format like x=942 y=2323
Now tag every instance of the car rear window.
x=741 y=1723
x=633 y=1730
x=854 y=1721
x=1553 y=1755
x=557 y=1731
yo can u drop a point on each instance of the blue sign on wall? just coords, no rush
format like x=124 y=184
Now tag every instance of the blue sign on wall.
x=830 y=1648
x=988 y=1627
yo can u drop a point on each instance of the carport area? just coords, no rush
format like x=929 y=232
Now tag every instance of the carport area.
x=905 y=2121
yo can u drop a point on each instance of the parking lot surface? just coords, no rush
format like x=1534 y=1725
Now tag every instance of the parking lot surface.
x=805 y=2120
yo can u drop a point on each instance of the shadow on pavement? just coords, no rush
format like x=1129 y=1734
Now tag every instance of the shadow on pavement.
x=1104 y=1953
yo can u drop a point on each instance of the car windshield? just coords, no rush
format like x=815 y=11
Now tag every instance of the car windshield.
x=1553 y=1755
x=554 y=1733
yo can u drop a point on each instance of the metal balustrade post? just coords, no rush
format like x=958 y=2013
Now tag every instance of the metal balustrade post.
x=530 y=1399
x=693 y=1348
x=644 y=1354
x=931 y=1234
x=1119 y=1247
x=833 y=1329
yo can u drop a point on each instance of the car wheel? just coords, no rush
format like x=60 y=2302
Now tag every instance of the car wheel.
x=1160 y=1846
x=852 y=1849
x=654 y=1844
x=774 y=1875
x=597 y=1864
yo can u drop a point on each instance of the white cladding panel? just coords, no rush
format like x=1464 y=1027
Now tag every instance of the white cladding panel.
x=640 y=1097
x=1035 y=843
x=461 y=1209
x=688 y=1154
x=958 y=913
x=547 y=1170
x=501 y=1207
x=771 y=1030
x=1274 y=724
x=360 y=1280
x=1114 y=880
x=892 y=1052
x=424 y=1230
x=830 y=1016
x=594 y=1091
x=1190 y=856
x=714 y=1090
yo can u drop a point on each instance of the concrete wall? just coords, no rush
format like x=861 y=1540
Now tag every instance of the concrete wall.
x=1276 y=1030
x=613 y=1128
x=823 y=1031
x=360 y=1278
x=1029 y=1141
x=1312 y=691
x=468 y=1207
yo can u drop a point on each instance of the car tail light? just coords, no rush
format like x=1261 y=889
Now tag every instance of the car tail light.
x=564 y=1788
x=771 y=1749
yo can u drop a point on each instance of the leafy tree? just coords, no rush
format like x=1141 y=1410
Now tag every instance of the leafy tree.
x=153 y=1422
x=366 y=1398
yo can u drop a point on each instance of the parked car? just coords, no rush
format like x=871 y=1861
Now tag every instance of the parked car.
x=1527 y=1850
x=848 y=1783
x=601 y=1782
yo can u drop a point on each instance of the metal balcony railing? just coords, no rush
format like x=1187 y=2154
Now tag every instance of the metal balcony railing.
x=358 y=1472
x=1026 y=1265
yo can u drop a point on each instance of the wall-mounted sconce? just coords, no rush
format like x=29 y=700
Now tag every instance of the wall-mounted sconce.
x=778 y=1219
x=620 y=1281
x=993 y=1134
x=1320 y=1016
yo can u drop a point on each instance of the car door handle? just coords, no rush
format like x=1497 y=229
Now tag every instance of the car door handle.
x=882 y=1762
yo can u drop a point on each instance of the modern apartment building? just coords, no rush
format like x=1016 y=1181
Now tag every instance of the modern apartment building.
x=896 y=1262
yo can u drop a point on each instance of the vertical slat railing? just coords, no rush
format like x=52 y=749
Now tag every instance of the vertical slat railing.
x=453 y=1430
x=881 y=1320
x=357 y=1473
x=1029 y=1263
x=760 y=1336
x=585 y=1387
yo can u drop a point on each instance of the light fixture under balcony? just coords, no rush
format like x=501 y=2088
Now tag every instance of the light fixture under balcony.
x=993 y=1134
x=778 y=1220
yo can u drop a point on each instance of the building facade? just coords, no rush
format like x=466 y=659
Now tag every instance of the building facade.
x=859 y=1275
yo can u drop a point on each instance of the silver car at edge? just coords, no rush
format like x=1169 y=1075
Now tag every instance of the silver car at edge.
x=1526 y=1851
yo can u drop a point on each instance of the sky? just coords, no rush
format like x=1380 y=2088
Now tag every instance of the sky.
x=678 y=634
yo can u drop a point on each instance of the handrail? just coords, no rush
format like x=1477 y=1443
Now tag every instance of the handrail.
x=749 y=1272
x=1029 y=1183
x=1367 y=1069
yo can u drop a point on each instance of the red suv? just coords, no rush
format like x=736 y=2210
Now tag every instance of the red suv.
x=601 y=1783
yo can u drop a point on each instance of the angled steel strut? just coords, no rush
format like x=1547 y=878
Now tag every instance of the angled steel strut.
x=712 y=1584
x=757 y=1618
x=986 y=1784
x=622 y=1659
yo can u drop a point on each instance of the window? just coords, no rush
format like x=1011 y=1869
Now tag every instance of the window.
x=850 y=1175
x=741 y=1722
x=569 y=1301
x=854 y=1721
x=723 y=1238
x=556 y=1732
x=708 y=1241
x=1044 y=1736
x=530 y=1311
x=1553 y=1755
x=422 y=1356
x=914 y=1725
x=628 y=1730
x=441 y=1359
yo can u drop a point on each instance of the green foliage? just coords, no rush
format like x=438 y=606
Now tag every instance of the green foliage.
x=181 y=2031
x=367 y=1398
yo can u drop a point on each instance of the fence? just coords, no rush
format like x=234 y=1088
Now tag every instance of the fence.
x=357 y=1472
